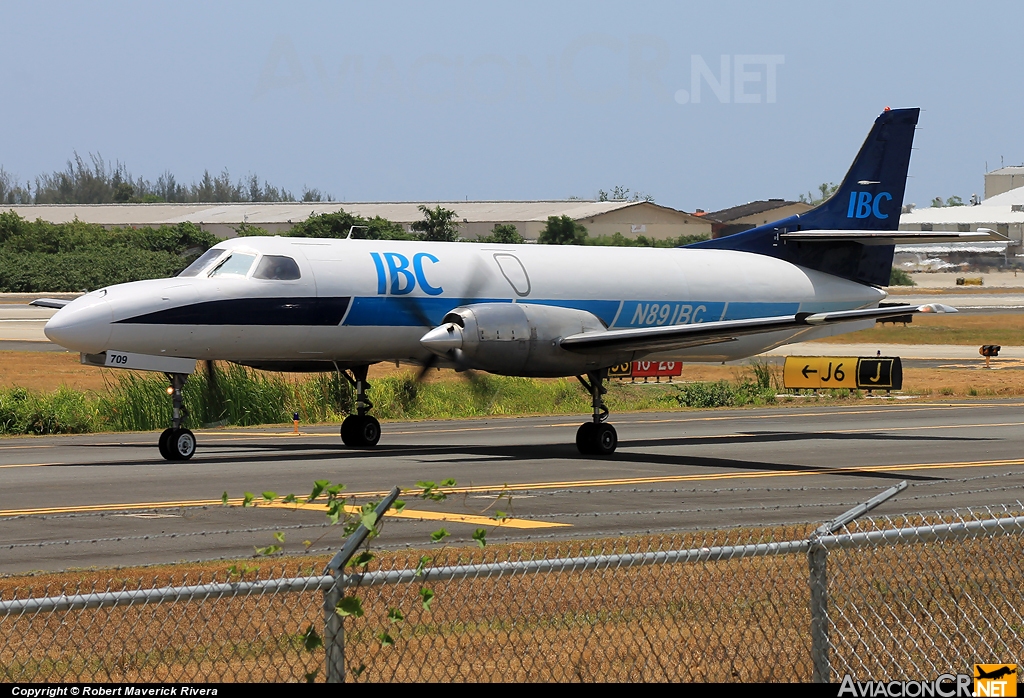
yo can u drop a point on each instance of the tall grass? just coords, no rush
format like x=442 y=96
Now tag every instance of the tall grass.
x=242 y=396
x=64 y=411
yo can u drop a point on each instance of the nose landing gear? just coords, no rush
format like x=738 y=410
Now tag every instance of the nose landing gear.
x=596 y=437
x=360 y=430
x=177 y=443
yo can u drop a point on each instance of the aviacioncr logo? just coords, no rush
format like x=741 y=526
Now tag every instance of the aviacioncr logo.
x=864 y=205
x=395 y=277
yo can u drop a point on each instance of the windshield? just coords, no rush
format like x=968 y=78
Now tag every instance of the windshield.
x=237 y=264
x=200 y=265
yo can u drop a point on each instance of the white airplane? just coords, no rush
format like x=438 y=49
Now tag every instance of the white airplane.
x=297 y=304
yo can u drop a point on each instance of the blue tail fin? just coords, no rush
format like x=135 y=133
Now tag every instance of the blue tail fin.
x=869 y=198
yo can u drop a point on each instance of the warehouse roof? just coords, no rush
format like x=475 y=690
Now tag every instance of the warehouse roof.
x=749 y=209
x=294 y=212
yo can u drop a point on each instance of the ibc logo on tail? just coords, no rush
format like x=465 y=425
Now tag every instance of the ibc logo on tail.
x=864 y=205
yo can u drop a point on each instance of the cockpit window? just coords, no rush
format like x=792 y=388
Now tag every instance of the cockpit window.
x=205 y=260
x=237 y=264
x=278 y=268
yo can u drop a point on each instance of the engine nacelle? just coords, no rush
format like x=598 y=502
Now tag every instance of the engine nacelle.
x=518 y=339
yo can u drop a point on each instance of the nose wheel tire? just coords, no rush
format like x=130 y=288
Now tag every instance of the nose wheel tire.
x=177 y=444
x=596 y=439
x=165 y=437
x=360 y=431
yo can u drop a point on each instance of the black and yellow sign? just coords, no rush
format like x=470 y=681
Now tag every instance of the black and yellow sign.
x=621 y=371
x=817 y=372
x=995 y=679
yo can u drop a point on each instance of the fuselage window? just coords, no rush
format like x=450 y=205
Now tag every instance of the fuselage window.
x=199 y=266
x=238 y=264
x=277 y=268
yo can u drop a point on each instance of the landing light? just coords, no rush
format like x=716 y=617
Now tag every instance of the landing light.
x=170 y=390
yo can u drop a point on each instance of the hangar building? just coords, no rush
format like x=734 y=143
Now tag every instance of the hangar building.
x=630 y=218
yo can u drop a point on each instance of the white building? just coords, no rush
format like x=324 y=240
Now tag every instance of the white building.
x=1003 y=213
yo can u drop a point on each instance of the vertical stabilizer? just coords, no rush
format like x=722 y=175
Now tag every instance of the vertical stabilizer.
x=869 y=198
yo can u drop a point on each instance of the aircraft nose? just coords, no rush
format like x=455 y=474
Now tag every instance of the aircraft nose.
x=443 y=339
x=82 y=325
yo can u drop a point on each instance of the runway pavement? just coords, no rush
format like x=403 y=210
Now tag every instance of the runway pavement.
x=102 y=500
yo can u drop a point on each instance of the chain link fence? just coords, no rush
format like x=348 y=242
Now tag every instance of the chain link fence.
x=892 y=597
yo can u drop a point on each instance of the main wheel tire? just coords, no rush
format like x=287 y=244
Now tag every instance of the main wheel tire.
x=182 y=444
x=360 y=431
x=369 y=431
x=606 y=439
x=348 y=429
x=162 y=445
x=585 y=438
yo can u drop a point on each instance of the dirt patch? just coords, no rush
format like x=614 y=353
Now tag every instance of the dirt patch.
x=972 y=330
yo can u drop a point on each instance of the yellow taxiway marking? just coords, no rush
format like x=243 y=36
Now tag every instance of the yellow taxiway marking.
x=418 y=514
x=29 y=465
x=414 y=514
x=519 y=487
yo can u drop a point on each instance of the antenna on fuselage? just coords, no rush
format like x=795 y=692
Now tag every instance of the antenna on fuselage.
x=364 y=227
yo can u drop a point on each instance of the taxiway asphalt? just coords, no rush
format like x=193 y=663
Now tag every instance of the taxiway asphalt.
x=109 y=499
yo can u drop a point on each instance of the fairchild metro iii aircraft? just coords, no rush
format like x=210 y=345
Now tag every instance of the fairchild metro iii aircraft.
x=297 y=304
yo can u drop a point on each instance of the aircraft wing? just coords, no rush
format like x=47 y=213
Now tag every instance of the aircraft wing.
x=49 y=303
x=671 y=337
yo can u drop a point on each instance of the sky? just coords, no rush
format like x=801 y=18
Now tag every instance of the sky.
x=700 y=105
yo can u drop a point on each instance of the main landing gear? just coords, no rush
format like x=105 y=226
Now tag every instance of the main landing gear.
x=596 y=437
x=360 y=430
x=177 y=443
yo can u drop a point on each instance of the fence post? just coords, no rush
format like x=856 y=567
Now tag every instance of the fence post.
x=334 y=627
x=334 y=631
x=817 y=560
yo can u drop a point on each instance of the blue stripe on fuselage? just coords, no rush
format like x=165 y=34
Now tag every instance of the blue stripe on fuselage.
x=604 y=310
x=409 y=311
x=406 y=311
x=747 y=311
x=664 y=313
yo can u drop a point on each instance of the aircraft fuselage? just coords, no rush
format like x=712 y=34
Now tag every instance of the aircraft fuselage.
x=364 y=301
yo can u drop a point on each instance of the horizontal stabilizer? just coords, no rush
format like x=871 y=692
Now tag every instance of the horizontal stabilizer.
x=655 y=339
x=892 y=237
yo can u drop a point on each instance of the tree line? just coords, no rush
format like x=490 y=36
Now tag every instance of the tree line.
x=101 y=182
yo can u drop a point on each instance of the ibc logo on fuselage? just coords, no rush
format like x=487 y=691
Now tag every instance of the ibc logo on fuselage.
x=864 y=205
x=396 y=278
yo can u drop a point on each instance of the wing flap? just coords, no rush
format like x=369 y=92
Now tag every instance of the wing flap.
x=651 y=339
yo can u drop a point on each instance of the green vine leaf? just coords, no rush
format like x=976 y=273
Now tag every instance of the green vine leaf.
x=311 y=640
x=363 y=559
x=318 y=487
x=350 y=606
x=427 y=596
